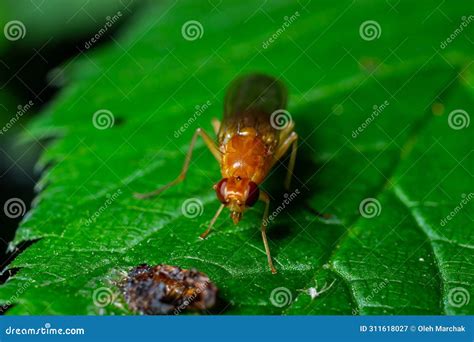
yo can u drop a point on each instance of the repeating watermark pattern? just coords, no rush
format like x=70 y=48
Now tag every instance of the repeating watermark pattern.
x=192 y=208
x=14 y=208
x=286 y=24
x=103 y=296
x=103 y=119
x=19 y=291
x=376 y=289
x=370 y=207
x=192 y=30
x=465 y=21
x=14 y=30
x=103 y=207
x=288 y=199
x=313 y=292
x=110 y=21
x=199 y=109
x=20 y=112
x=190 y=299
x=465 y=200
x=370 y=30
x=458 y=119
x=377 y=110
x=458 y=297
x=280 y=119
x=280 y=297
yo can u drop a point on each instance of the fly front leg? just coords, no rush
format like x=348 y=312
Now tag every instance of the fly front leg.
x=290 y=141
x=210 y=145
x=264 y=198
x=216 y=215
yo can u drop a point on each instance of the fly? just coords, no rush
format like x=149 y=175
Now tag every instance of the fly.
x=250 y=141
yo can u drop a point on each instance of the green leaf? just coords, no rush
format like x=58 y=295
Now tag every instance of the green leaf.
x=406 y=160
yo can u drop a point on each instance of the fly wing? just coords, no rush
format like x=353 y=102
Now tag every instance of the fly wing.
x=250 y=102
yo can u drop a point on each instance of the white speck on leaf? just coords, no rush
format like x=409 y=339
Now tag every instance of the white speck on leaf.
x=313 y=292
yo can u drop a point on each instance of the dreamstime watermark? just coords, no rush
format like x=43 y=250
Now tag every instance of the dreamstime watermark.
x=14 y=30
x=458 y=297
x=465 y=200
x=370 y=207
x=103 y=296
x=377 y=110
x=280 y=297
x=199 y=109
x=288 y=199
x=103 y=119
x=192 y=30
x=110 y=21
x=192 y=208
x=103 y=207
x=458 y=119
x=280 y=119
x=370 y=30
x=375 y=290
x=286 y=24
x=190 y=299
x=45 y=330
x=20 y=112
x=465 y=21
x=14 y=208
x=19 y=291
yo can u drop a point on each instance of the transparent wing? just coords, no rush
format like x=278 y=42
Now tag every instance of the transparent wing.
x=250 y=102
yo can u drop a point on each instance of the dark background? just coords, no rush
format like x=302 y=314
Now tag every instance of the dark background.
x=57 y=32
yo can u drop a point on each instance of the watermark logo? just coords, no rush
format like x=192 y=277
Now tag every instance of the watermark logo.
x=192 y=30
x=465 y=21
x=19 y=291
x=103 y=207
x=458 y=297
x=103 y=119
x=370 y=30
x=280 y=119
x=377 y=110
x=465 y=200
x=370 y=207
x=288 y=198
x=103 y=296
x=22 y=109
x=14 y=30
x=280 y=297
x=288 y=20
x=190 y=299
x=377 y=287
x=192 y=208
x=458 y=119
x=14 y=208
x=110 y=21
x=199 y=110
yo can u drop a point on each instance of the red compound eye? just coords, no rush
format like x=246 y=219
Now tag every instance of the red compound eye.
x=221 y=190
x=253 y=194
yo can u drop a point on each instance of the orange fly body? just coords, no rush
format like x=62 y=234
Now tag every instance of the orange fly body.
x=254 y=134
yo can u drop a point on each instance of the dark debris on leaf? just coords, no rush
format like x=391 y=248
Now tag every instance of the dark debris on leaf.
x=165 y=289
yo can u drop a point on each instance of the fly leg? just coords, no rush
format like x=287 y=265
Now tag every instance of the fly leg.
x=210 y=145
x=290 y=141
x=208 y=230
x=264 y=198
